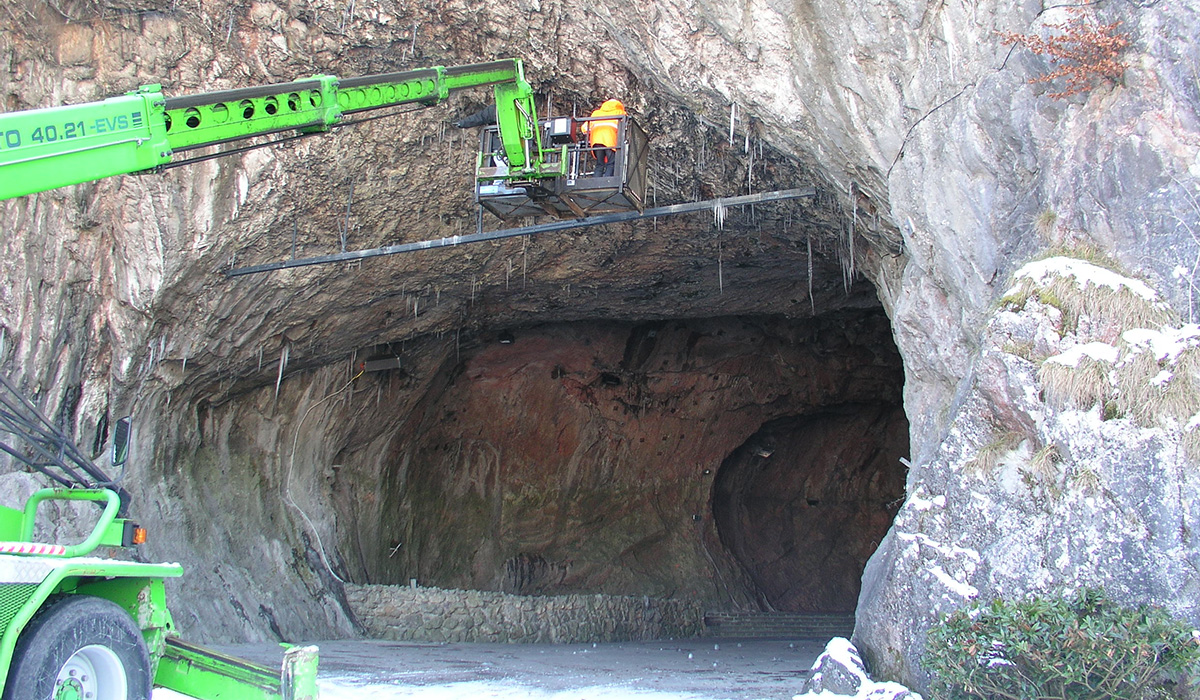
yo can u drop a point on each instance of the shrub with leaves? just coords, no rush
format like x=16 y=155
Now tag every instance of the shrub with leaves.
x=1081 y=647
x=1084 y=52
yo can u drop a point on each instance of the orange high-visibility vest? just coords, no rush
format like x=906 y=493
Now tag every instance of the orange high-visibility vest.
x=603 y=132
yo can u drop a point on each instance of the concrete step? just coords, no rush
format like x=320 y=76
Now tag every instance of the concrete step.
x=766 y=625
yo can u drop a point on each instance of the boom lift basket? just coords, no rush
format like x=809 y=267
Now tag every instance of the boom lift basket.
x=578 y=192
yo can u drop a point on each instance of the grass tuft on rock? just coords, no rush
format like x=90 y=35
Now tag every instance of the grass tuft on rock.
x=1080 y=386
x=1097 y=310
x=991 y=454
x=1132 y=355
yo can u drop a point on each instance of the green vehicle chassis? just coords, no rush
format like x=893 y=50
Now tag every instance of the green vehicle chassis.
x=38 y=581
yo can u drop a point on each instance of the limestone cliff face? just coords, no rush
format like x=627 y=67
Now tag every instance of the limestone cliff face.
x=921 y=106
x=942 y=171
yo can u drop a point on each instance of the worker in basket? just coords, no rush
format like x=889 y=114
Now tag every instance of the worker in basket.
x=602 y=136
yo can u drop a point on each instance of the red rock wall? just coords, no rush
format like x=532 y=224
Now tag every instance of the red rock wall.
x=582 y=457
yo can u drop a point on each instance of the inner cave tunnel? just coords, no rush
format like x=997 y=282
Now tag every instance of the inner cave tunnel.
x=749 y=462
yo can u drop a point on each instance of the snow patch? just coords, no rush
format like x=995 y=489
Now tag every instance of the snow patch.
x=945 y=550
x=1166 y=344
x=916 y=502
x=1008 y=471
x=965 y=590
x=1102 y=352
x=1085 y=273
x=843 y=653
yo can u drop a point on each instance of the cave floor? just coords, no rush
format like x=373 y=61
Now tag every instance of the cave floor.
x=693 y=669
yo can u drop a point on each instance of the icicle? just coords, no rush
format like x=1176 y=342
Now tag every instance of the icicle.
x=260 y=350
x=283 y=360
x=746 y=145
x=719 y=215
x=508 y=272
x=472 y=289
x=732 y=119
x=184 y=368
x=720 y=269
x=850 y=231
x=3 y=341
x=416 y=304
x=812 y=302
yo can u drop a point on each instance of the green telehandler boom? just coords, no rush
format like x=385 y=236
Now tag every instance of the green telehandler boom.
x=145 y=131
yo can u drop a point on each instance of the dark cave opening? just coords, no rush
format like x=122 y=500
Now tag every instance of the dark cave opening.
x=806 y=500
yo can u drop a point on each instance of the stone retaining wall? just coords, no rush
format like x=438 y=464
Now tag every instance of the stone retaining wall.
x=439 y=615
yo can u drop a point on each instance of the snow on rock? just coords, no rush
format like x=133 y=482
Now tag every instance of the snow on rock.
x=1166 y=343
x=939 y=557
x=839 y=671
x=963 y=589
x=1085 y=273
x=918 y=502
x=1102 y=352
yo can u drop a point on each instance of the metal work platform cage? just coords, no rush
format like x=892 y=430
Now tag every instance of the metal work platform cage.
x=583 y=190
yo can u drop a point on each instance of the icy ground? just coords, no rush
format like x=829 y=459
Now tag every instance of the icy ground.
x=692 y=669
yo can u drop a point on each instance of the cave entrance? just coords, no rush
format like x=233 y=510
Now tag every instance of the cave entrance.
x=804 y=502
x=728 y=461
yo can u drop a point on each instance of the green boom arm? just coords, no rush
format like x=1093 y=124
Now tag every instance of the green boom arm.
x=41 y=149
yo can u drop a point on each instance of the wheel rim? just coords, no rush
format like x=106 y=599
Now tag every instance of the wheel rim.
x=94 y=672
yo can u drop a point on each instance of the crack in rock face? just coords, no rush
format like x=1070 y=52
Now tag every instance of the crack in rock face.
x=675 y=410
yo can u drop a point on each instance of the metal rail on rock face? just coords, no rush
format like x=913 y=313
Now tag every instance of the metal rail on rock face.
x=685 y=208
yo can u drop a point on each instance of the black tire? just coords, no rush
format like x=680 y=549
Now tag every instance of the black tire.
x=80 y=634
